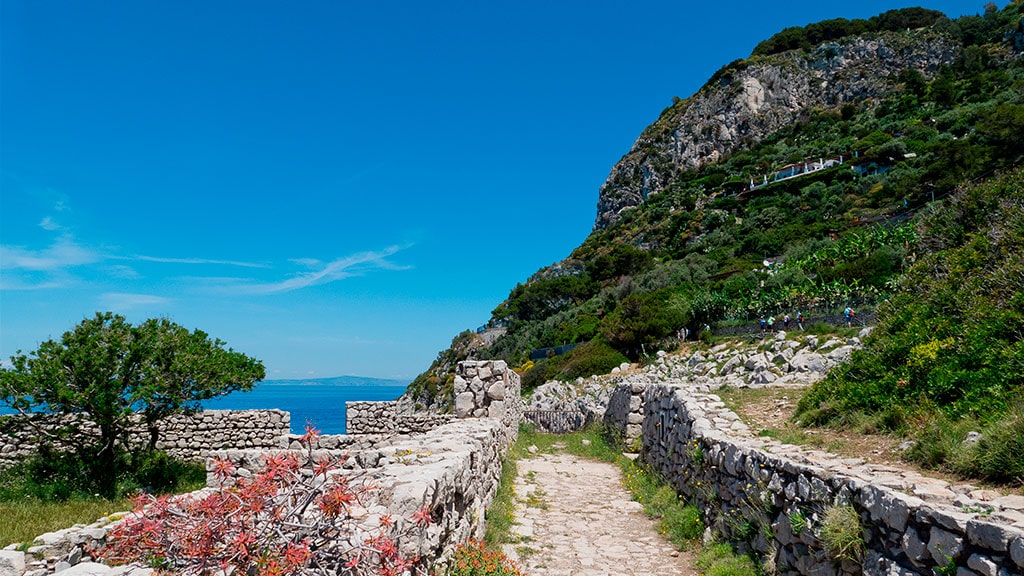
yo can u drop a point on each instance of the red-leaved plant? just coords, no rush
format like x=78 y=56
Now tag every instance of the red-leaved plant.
x=285 y=520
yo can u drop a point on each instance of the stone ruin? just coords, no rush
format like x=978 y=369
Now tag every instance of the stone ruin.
x=450 y=464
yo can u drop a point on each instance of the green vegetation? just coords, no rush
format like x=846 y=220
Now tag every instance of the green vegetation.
x=594 y=357
x=114 y=372
x=946 y=358
x=677 y=521
x=53 y=476
x=51 y=491
x=886 y=229
x=693 y=254
x=720 y=560
x=969 y=30
x=26 y=519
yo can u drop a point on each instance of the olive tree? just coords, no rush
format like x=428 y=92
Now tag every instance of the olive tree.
x=116 y=374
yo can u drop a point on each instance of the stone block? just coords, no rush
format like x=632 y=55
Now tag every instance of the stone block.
x=496 y=409
x=464 y=404
x=988 y=536
x=1017 y=551
x=12 y=563
x=943 y=545
x=982 y=565
x=496 y=391
x=914 y=546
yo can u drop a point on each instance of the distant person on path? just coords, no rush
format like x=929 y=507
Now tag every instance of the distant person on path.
x=800 y=320
x=763 y=324
x=771 y=323
x=785 y=321
x=848 y=313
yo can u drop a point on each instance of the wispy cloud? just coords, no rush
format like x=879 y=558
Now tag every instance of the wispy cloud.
x=162 y=260
x=49 y=224
x=123 y=272
x=125 y=301
x=64 y=253
x=323 y=273
x=9 y=282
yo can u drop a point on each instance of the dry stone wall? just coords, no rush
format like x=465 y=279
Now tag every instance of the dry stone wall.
x=187 y=436
x=453 y=469
x=774 y=498
x=385 y=418
x=624 y=415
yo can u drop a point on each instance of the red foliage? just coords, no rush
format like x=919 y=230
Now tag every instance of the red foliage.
x=283 y=521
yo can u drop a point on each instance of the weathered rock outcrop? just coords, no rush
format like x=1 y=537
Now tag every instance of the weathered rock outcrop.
x=750 y=100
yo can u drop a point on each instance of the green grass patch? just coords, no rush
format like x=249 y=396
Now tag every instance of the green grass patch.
x=721 y=560
x=26 y=519
x=49 y=492
x=501 y=514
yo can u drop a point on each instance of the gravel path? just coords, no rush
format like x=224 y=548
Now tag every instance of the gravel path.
x=574 y=517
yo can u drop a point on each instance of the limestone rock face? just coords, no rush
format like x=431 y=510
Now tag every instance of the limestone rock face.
x=755 y=98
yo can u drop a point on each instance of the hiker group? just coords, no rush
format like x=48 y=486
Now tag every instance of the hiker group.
x=768 y=324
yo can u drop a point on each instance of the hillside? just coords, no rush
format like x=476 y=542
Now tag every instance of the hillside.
x=792 y=181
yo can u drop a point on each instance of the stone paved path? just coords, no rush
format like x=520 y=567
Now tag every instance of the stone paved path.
x=574 y=517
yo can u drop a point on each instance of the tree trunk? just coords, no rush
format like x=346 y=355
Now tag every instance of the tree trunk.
x=154 y=434
x=106 y=463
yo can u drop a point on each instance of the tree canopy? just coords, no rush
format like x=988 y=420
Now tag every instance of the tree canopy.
x=110 y=370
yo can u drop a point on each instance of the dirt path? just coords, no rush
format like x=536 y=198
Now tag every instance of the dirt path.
x=574 y=517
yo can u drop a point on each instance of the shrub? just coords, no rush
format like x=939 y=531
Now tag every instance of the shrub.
x=594 y=357
x=642 y=319
x=50 y=475
x=948 y=340
x=59 y=476
x=157 y=472
x=282 y=521
x=621 y=260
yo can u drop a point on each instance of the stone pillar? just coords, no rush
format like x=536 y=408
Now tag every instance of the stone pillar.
x=487 y=389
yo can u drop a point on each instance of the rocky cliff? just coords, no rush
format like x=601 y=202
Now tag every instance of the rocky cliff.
x=750 y=99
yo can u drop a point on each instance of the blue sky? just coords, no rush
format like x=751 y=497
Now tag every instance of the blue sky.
x=331 y=187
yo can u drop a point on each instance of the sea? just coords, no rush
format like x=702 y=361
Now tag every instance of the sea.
x=320 y=401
